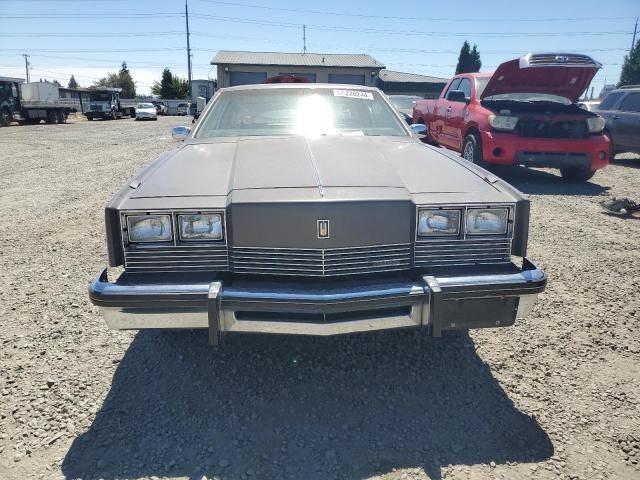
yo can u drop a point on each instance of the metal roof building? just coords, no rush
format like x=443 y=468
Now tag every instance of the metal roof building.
x=401 y=83
x=241 y=68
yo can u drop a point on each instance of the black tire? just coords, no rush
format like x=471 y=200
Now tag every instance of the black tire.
x=90 y=118
x=577 y=174
x=472 y=150
x=5 y=117
x=114 y=115
x=52 y=117
x=61 y=116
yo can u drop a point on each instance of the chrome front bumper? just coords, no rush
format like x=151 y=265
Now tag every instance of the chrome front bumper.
x=440 y=302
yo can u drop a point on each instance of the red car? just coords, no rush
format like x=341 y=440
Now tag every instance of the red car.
x=525 y=113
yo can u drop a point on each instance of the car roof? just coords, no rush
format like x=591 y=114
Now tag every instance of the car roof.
x=310 y=86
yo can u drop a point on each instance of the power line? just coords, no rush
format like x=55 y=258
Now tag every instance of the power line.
x=392 y=17
x=87 y=35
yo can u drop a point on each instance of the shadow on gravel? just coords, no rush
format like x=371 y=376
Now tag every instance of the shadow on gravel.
x=302 y=408
x=627 y=162
x=540 y=182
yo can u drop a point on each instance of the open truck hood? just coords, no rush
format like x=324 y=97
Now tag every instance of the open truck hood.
x=564 y=74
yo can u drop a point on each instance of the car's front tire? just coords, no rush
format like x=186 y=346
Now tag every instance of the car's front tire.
x=577 y=174
x=5 y=117
x=472 y=150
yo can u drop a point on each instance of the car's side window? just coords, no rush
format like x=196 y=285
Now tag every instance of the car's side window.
x=465 y=86
x=452 y=86
x=631 y=103
x=610 y=100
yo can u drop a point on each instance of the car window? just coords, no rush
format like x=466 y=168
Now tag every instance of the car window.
x=610 y=100
x=452 y=86
x=465 y=86
x=300 y=112
x=631 y=103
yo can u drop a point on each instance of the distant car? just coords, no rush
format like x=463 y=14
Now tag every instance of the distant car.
x=404 y=104
x=621 y=110
x=161 y=108
x=146 y=111
x=589 y=105
x=183 y=109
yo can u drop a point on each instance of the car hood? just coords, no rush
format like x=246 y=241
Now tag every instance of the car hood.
x=216 y=168
x=565 y=75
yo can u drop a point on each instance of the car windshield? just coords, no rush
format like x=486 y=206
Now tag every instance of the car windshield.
x=481 y=83
x=100 y=97
x=145 y=105
x=403 y=103
x=528 y=98
x=300 y=111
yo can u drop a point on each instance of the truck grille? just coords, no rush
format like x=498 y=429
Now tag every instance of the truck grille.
x=544 y=128
x=561 y=59
x=321 y=262
x=435 y=253
x=171 y=258
x=96 y=108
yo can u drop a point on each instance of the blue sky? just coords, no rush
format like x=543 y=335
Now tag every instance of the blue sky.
x=91 y=37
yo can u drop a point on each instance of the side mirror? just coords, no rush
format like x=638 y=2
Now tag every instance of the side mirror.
x=418 y=128
x=457 y=96
x=180 y=133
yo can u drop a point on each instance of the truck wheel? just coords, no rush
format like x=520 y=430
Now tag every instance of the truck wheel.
x=52 y=117
x=89 y=117
x=5 y=117
x=114 y=116
x=472 y=150
x=60 y=116
x=577 y=174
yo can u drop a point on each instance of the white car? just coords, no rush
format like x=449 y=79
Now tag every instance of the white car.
x=183 y=109
x=146 y=111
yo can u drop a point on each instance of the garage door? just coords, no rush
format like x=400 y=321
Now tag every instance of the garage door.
x=247 y=78
x=344 y=78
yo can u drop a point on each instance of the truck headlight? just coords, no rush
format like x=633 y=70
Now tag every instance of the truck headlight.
x=199 y=226
x=503 y=122
x=149 y=228
x=433 y=222
x=595 y=124
x=487 y=221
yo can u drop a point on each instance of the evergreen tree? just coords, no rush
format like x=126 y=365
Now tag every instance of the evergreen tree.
x=164 y=88
x=127 y=84
x=73 y=83
x=630 y=74
x=464 y=59
x=476 y=63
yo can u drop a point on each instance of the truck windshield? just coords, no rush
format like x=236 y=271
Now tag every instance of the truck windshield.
x=100 y=97
x=300 y=111
x=528 y=98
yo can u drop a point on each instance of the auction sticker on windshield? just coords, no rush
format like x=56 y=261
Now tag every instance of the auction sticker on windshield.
x=353 y=94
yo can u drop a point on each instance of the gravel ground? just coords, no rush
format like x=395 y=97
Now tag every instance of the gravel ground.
x=556 y=396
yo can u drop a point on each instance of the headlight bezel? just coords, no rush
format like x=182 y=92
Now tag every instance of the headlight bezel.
x=599 y=127
x=494 y=122
x=459 y=210
x=485 y=233
x=463 y=234
x=184 y=239
x=145 y=215
x=176 y=239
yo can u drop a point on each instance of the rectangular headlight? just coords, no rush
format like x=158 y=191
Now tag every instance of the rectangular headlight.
x=503 y=122
x=487 y=221
x=149 y=228
x=200 y=226
x=595 y=124
x=433 y=222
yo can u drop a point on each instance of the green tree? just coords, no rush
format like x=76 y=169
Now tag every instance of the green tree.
x=122 y=80
x=73 y=83
x=476 y=63
x=468 y=60
x=181 y=87
x=630 y=74
x=164 y=88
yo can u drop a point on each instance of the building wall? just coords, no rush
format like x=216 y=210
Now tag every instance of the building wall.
x=421 y=89
x=321 y=73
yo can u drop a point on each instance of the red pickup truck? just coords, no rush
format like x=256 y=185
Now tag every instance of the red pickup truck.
x=525 y=113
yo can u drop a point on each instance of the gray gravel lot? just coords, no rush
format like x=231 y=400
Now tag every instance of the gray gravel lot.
x=556 y=396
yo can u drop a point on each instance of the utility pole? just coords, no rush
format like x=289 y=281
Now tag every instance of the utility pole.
x=304 y=39
x=186 y=13
x=635 y=30
x=26 y=65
